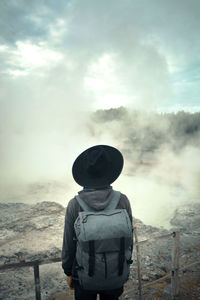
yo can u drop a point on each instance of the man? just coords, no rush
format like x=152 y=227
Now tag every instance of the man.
x=95 y=169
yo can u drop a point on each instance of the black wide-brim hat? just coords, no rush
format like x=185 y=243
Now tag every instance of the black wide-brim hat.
x=98 y=166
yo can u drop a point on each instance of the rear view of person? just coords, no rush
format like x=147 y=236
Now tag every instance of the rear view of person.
x=98 y=234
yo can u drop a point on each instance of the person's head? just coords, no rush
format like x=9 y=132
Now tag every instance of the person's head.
x=98 y=166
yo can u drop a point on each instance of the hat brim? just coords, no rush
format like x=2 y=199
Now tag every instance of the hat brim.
x=83 y=178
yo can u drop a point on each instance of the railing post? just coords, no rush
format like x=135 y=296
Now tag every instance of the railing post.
x=175 y=285
x=138 y=264
x=37 y=282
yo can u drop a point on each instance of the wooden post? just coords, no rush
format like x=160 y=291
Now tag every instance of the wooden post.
x=138 y=264
x=175 y=285
x=37 y=282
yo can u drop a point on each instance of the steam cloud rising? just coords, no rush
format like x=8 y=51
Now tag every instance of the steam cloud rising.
x=162 y=161
x=63 y=60
x=162 y=158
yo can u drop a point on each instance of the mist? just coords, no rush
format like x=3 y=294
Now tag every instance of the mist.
x=161 y=152
x=77 y=74
x=162 y=159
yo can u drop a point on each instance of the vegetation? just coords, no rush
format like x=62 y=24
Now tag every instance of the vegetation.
x=149 y=131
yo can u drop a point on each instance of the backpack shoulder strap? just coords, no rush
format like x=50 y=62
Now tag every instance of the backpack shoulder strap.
x=83 y=205
x=112 y=204
x=114 y=201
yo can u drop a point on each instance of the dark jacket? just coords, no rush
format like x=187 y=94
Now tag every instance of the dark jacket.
x=98 y=200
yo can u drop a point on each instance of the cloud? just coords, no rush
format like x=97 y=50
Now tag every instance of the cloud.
x=28 y=58
x=30 y=21
x=146 y=44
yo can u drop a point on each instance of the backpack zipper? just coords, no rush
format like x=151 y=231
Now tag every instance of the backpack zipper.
x=84 y=219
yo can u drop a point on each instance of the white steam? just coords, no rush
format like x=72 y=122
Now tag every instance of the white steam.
x=162 y=160
x=61 y=61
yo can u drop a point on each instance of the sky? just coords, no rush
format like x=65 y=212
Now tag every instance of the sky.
x=101 y=54
x=62 y=60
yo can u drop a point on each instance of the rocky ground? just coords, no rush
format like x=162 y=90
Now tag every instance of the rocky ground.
x=34 y=232
x=156 y=257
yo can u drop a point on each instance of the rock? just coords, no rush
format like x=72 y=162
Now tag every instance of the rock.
x=35 y=232
x=187 y=217
x=128 y=297
x=145 y=278
x=159 y=273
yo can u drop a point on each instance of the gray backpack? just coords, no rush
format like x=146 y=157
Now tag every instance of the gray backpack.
x=104 y=246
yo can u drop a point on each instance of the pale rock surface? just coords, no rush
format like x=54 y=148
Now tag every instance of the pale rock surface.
x=35 y=232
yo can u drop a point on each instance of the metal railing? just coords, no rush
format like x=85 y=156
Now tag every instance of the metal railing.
x=174 y=274
x=35 y=264
x=175 y=268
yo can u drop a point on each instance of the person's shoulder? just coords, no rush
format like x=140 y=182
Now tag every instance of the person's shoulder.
x=72 y=202
x=123 y=201
x=123 y=197
x=72 y=206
